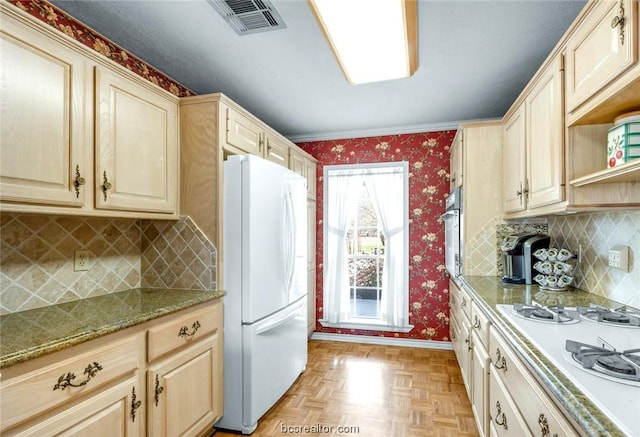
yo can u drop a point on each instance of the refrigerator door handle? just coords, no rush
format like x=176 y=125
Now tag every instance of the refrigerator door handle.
x=290 y=232
x=271 y=324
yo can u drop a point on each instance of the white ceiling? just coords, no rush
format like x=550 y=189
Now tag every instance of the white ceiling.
x=474 y=59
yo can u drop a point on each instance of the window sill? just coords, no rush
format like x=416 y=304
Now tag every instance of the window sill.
x=367 y=326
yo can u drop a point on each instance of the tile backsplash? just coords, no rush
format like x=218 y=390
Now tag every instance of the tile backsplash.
x=37 y=251
x=597 y=233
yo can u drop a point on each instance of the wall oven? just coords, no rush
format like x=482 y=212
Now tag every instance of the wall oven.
x=453 y=233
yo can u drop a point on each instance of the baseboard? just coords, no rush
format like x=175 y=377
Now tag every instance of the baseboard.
x=386 y=341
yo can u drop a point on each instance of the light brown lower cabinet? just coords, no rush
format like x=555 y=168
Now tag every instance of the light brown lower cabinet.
x=98 y=388
x=520 y=398
x=505 y=397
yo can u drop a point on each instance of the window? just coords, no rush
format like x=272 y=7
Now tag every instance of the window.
x=366 y=246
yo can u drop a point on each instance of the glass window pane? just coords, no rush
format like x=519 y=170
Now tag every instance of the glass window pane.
x=380 y=266
x=368 y=241
x=352 y=268
x=350 y=242
x=366 y=272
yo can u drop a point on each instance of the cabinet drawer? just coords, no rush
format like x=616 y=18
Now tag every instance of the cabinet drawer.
x=505 y=420
x=536 y=407
x=49 y=386
x=480 y=325
x=465 y=303
x=182 y=330
x=459 y=301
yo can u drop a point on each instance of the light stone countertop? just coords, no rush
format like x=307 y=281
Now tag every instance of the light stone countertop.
x=489 y=291
x=29 y=334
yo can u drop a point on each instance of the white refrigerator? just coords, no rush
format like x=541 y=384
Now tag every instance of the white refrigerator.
x=265 y=280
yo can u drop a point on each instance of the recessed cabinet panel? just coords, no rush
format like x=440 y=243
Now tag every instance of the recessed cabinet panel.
x=277 y=151
x=455 y=178
x=599 y=51
x=513 y=160
x=185 y=391
x=41 y=134
x=137 y=146
x=545 y=138
x=243 y=133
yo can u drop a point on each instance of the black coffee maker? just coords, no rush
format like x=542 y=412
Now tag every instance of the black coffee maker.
x=517 y=256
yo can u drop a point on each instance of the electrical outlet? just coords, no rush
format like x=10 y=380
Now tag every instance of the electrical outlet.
x=619 y=257
x=81 y=260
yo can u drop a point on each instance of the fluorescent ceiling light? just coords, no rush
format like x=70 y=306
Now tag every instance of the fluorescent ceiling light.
x=373 y=40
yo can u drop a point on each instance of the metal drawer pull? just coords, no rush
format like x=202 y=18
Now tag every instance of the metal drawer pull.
x=159 y=390
x=501 y=362
x=106 y=185
x=476 y=323
x=464 y=302
x=544 y=426
x=468 y=341
x=65 y=380
x=78 y=181
x=503 y=418
x=183 y=331
x=134 y=404
x=619 y=20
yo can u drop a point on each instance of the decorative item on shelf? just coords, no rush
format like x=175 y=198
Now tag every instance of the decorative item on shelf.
x=623 y=140
x=555 y=267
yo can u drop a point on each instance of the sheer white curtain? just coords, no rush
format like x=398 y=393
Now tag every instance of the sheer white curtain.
x=342 y=198
x=386 y=191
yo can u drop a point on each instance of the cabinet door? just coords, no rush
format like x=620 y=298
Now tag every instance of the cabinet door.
x=455 y=161
x=311 y=266
x=296 y=162
x=244 y=134
x=137 y=146
x=503 y=412
x=461 y=339
x=311 y=301
x=598 y=51
x=114 y=412
x=276 y=150
x=42 y=134
x=184 y=392
x=513 y=162
x=310 y=173
x=545 y=138
x=480 y=384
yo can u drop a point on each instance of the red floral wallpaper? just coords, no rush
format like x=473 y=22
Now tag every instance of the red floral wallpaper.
x=428 y=157
x=53 y=16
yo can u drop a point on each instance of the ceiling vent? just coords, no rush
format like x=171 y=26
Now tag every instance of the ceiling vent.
x=249 y=16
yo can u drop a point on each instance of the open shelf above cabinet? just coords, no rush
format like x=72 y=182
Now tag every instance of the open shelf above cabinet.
x=628 y=172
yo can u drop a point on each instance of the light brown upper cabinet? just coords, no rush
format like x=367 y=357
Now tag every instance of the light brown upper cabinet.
x=544 y=128
x=42 y=134
x=136 y=146
x=533 y=147
x=602 y=48
x=243 y=133
x=81 y=135
x=514 y=183
x=276 y=149
x=455 y=161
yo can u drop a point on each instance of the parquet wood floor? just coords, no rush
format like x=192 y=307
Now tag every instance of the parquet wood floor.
x=374 y=391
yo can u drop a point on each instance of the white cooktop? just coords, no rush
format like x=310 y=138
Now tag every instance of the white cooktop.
x=619 y=401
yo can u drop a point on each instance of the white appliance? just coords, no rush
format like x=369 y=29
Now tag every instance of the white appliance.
x=265 y=280
x=453 y=233
x=609 y=341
